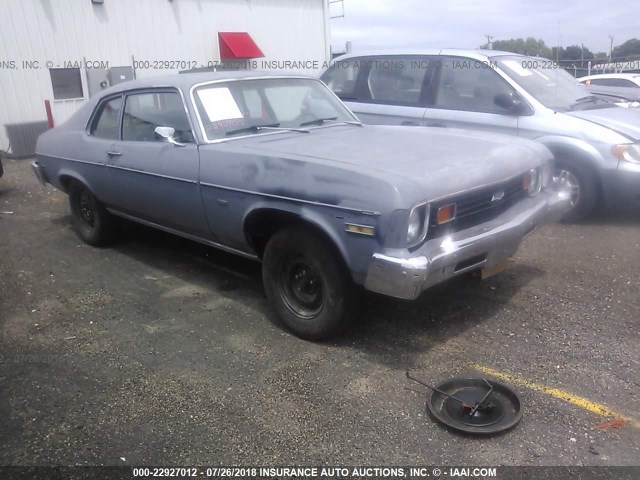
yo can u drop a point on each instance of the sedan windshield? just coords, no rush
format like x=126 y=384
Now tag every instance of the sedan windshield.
x=247 y=107
x=547 y=82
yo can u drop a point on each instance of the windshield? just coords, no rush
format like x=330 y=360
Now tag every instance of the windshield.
x=545 y=80
x=247 y=107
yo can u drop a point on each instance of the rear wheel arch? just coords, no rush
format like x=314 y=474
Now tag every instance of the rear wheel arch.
x=66 y=179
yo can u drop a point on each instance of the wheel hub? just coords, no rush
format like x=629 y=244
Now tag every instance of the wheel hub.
x=86 y=211
x=302 y=288
x=567 y=181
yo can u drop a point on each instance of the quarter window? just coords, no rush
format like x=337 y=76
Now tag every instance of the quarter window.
x=107 y=120
x=143 y=112
x=466 y=84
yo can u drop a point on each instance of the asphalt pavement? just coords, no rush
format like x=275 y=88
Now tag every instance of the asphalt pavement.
x=158 y=350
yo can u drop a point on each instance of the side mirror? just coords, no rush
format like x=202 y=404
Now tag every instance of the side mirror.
x=167 y=133
x=510 y=102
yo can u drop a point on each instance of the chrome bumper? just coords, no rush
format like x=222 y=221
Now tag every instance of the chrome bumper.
x=403 y=274
x=38 y=170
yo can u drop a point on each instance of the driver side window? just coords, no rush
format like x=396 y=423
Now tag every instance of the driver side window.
x=143 y=112
x=467 y=84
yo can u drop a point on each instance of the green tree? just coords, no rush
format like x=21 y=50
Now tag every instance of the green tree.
x=573 y=55
x=629 y=50
x=529 y=46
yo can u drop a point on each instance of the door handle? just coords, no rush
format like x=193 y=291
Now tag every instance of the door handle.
x=409 y=124
x=113 y=154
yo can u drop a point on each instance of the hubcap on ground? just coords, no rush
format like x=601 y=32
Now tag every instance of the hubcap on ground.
x=301 y=288
x=567 y=181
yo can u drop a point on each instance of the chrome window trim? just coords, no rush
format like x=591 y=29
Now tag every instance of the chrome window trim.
x=260 y=77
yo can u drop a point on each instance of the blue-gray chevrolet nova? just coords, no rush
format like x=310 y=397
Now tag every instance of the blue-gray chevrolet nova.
x=275 y=168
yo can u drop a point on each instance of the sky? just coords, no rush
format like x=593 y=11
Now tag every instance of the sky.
x=389 y=24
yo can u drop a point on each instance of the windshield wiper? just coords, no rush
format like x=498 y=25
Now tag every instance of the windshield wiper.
x=270 y=126
x=320 y=121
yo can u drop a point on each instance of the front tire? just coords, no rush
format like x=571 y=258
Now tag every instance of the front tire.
x=307 y=284
x=91 y=221
x=582 y=187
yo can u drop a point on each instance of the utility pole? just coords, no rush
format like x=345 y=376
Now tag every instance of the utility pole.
x=489 y=43
x=610 y=48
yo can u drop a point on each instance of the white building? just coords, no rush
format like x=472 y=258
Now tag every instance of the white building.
x=64 y=51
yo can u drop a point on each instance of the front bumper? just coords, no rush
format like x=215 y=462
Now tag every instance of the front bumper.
x=38 y=170
x=403 y=274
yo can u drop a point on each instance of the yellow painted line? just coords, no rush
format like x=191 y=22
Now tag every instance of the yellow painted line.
x=588 y=405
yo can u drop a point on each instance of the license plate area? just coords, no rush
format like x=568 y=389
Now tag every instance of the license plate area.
x=491 y=271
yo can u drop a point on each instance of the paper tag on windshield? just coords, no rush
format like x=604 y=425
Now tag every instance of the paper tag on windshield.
x=517 y=67
x=219 y=104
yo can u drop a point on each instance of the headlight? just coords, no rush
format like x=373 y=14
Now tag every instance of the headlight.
x=531 y=182
x=629 y=152
x=418 y=224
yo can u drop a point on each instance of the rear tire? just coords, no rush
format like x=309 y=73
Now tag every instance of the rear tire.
x=307 y=284
x=91 y=221
x=582 y=186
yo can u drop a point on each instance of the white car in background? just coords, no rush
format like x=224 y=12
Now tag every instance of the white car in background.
x=628 y=80
x=621 y=88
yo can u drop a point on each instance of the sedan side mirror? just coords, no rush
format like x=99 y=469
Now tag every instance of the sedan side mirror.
x=510 y=102
x=167 y=133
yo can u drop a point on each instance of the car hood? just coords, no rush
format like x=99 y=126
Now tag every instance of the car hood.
x=623 y=120
x=441 y=161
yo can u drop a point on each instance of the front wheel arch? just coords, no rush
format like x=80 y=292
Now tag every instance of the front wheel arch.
x=262 y=223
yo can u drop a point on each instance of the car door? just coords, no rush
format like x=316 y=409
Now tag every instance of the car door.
x=463 y=95
x=384 y=90
x=150 y=178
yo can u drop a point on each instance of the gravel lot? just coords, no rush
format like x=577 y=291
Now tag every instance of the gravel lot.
x=162 y=351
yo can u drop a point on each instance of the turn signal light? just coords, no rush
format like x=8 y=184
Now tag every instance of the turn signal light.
x=446 y=213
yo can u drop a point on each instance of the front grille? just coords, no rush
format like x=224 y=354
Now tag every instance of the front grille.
x=476 y=207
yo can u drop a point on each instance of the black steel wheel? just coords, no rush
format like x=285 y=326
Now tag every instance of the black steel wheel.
x=307 y=284
x=91 y=221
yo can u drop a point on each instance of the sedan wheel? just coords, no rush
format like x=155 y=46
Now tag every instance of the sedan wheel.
x=91 y=221
x=308 y=284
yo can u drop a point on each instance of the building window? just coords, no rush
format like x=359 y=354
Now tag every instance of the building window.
x=66 y=83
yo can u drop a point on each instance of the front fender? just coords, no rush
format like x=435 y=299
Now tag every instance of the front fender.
x=355 y=249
